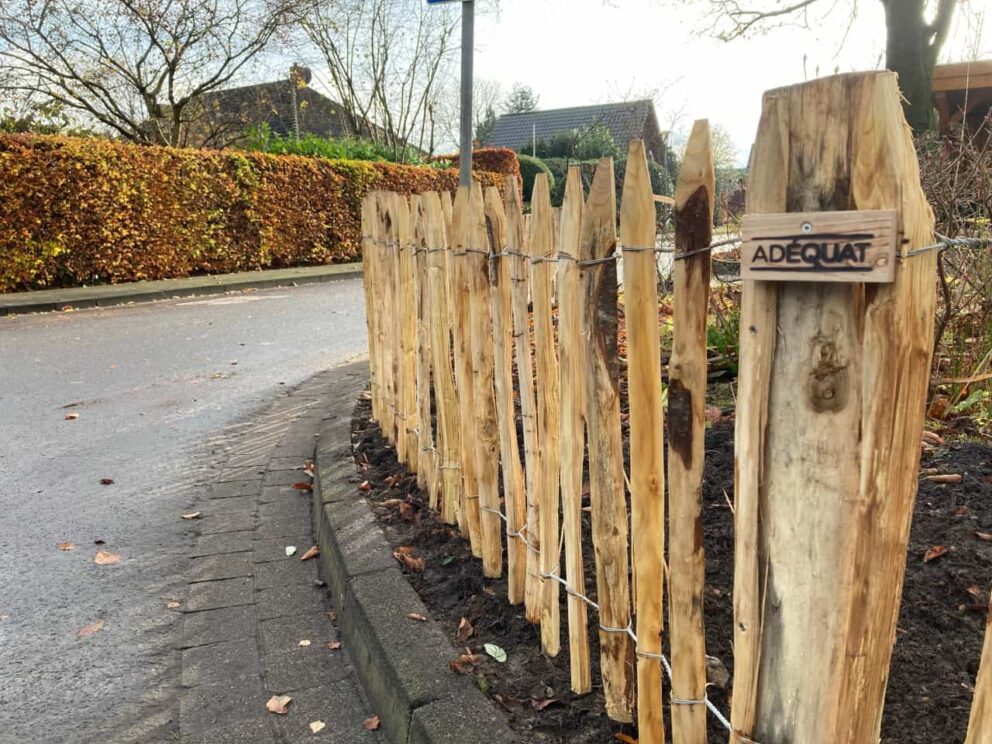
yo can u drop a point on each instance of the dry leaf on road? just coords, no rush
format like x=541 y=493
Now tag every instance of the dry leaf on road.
x=404 y=554
x=935 y=552
x=192 y=515
x=539 y=704
x=332 y=615
x=371 y=723
x=278 y=703
x=333 y=645
x=290 y=549
x=364 y=486
x=106 y=558
x=65 y=546
x=946 y=478
x=302 y=486
x=417 y=616
x=173 y=605
x=465 y=630
x=317 y=726
x=87 y=630
x=71 y=416
x=304 y=642
x=106 y=481
x=464 y=664
x=312 y=553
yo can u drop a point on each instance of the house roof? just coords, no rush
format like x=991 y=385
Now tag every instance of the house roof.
x=625 y=121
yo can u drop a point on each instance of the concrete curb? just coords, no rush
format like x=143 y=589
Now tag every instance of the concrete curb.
x=401 y=663
x=46 y=300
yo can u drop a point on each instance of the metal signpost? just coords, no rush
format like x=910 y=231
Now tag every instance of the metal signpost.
x=468 y=39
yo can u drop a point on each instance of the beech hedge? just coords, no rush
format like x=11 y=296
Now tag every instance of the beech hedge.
x=80 y=211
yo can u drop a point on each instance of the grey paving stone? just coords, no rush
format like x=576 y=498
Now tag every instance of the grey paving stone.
x=223 y=542
x=285 y=477
x=339 y=706
x=233 y=505
x=299 y=507
x=235 y=701
x=283 y=634
x=252 y=473
x=219 y=661
x=278 y=494
x=260 y=731
x=285 y=573
x=282 y=525
x=304 y=667
x=288 y=463
x=215 y=626
x=230 y=489
x=223 y=566
x=212 y=595
x=289 y=600
x=275 y=549
x=233 y=522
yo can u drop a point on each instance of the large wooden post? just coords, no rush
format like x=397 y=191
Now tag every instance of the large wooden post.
x=686 y=430
x=572 y=399
x=647 y=457
x=606 y=479
x=833 y=378
x=542 y=248
x=980 y=723
x=515 y=504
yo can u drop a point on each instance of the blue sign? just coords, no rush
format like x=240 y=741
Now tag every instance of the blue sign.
x=438 y=2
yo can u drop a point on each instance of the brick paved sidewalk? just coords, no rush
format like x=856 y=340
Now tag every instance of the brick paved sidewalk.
x=250 y=605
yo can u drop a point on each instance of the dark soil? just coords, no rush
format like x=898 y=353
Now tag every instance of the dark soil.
x=940 y=629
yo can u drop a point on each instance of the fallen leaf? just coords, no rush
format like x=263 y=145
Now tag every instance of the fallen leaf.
x=333 y=645
x=192 y=515
x=974 y=590
x=495 y=651
x=946 y=478
x=87 y=630
x=364 y=486
x=465 y=630
x=713 y=414
x=312 y=553
x=278 y=704
x=106 y=481
x=961 y=511
x=464 y=664
x=332 y=615
x=418 y=617
x=366 y=395
x=939 y=408
x=538 y=704
x=99 y=541
x=301 y=486
x=407 y=512
x=71 y=416
x=935 y=552
x=173 y=605
x=290 y=549
x=625 y=738
x=304 y=643
x=986 y=536
x=106 y=558
x=317 y=726
x=371 y=723
x=933 y=438
x=404 y=555
x=308 y=468
x=65 y=546
x=4 y=617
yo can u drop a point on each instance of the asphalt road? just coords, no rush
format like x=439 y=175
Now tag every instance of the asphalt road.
x=155 y=387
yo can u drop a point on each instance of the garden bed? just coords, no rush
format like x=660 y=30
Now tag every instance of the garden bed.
x=940 y=629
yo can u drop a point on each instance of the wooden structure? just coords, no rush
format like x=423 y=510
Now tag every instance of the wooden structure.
x=963 y=95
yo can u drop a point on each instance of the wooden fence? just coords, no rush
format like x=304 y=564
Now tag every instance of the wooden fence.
x=463 y=299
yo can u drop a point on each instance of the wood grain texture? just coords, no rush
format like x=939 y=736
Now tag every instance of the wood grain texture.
x=483 y=373
x=687 y=374
x=606 y=476
x=541 y=243
x=408 y=443
x=519 y=285
x=514 y=499
x=427 y=470
x=369 y=229
x=571 y=352
x=463 y=236
x=449 y=432
x=980 y=722
x=647 y=459
x=830 y=406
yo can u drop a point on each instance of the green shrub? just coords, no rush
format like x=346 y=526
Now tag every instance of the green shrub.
x=79 y=211
x=261 y=139
x=529 y=168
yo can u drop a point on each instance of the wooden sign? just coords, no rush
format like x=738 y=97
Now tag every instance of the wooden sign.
x=820 y=246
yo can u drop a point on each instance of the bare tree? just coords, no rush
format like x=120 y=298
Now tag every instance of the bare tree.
x=388 y=62
x=136 y=67
x=915 y=33
x=487 y=96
